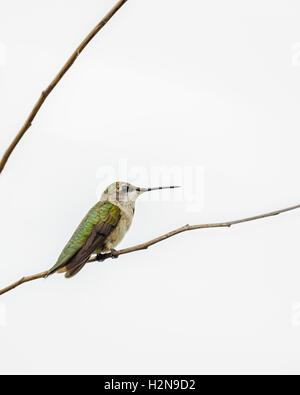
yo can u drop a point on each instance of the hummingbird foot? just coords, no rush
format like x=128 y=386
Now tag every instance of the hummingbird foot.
x=100 y=257
x=103 y=257
x=112 y=254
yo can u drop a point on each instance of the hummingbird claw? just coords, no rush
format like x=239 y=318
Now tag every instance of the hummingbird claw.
x=112 y=251
x=103 y=257
x=100 y=258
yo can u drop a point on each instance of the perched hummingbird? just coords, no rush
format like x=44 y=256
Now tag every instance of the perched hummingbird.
x=103 y=227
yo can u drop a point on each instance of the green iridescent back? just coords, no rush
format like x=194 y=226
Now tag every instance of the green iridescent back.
x=102 y=212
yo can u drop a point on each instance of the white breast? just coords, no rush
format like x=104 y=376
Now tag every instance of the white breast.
x=121 y=229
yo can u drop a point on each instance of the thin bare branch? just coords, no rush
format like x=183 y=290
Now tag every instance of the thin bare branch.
x=150 y=243
x=23 y=280
x=56 y=80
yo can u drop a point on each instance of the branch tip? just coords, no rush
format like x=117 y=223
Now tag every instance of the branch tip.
x=56 y=80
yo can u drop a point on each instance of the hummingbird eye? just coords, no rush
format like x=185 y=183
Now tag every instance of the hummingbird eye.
x=126 y=189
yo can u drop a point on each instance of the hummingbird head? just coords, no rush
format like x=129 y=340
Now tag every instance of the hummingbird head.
x=125 y=193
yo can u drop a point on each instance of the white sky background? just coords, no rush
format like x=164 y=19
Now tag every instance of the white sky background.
x=206 y=84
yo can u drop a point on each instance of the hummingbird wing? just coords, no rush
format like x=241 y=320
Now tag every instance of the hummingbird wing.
x=100 y=221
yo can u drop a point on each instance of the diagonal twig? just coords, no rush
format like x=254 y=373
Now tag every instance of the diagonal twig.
x=146 y=245
x=56 y=80
x=23 y=280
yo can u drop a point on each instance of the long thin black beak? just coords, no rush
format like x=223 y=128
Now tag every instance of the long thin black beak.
x=156 y=188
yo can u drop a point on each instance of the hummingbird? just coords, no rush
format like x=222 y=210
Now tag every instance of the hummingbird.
x=102 y=229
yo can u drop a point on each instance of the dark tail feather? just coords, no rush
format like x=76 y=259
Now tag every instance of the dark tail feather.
x=72 y=267
x=71 y=271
